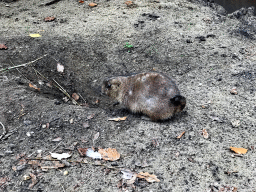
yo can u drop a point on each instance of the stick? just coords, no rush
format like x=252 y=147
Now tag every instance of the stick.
x=22 y=65
x=70 y=161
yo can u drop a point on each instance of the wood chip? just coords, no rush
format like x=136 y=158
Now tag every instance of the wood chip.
x=48 y=19
x=92 y=4
x=181 y=135
x=118 y=119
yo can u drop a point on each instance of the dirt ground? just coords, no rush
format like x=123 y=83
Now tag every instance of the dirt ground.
x=207 y=52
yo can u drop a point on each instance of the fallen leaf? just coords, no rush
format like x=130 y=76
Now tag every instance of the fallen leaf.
x=127 y=174
x=34 y=86
x=35 y=35
x=75 y=96
x=129 y=3
x=57 y=139
x=205 y=134
x=181 y=135
x=91 y=153
x=118 y=119
x=60 y=156
x=239 y=150
x=148 y=177
x=60 y=68
x=81 y=1
x=48 y=19
x=109 y=154
x=2 y=46
x=92 y=4
x=82 y=151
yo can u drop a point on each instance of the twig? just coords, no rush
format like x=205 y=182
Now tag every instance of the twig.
x=22 y=65
x=4 y=130
x=65 y=92
x=57 y=146
x=57 y=85
x=70 y=161
x=82 y=97
x=20 y=72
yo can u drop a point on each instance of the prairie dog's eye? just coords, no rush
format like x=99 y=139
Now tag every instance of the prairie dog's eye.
x=108 y=86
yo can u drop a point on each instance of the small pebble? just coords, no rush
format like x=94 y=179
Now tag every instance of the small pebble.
x=65 y=173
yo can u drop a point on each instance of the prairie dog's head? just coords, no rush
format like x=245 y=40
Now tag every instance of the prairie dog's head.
x=179 y=102
x=113 y=87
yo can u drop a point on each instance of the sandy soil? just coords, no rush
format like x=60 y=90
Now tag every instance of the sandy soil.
x=207 y=52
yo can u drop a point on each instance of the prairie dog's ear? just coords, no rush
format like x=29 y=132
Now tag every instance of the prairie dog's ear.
x=178 y=100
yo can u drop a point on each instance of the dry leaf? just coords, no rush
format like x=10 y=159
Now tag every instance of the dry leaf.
x=82 y=151
x=34 y=86
x=75 y=96
x=2 y=46
x=92 y=4
x=181 y=135
x=127 y=174
x=148 y=177
x=91 y=153
x=205 y=134
x=129 y=3
x=118 y=119
x=239 y=150
x=60 y=156
x=81 y=1
x=49 y=19
x=109 y=154
x=60 y=68
x=35 y=35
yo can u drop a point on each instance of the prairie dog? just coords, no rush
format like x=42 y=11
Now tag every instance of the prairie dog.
x=152 y=93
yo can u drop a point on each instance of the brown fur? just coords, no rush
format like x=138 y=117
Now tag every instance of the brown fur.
x=154 y=94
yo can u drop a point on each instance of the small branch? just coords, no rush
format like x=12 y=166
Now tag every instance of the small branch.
x=70 y=161
x=22 y=65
